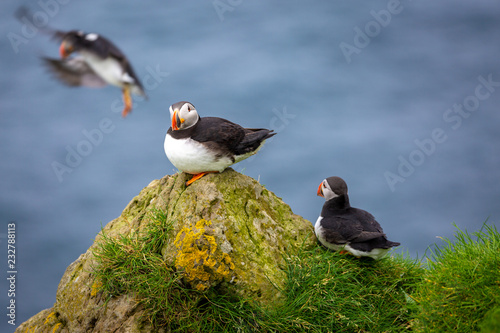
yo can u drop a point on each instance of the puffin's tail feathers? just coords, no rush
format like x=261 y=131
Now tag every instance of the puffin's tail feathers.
x=254 y=138
x=377 y=243
x=392 y=244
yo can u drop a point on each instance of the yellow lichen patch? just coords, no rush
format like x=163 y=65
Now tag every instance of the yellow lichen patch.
x=51 y=320
x=199 y=256
x=56 y=327
x=96 y=286
x=51 y=315
x=227 y=260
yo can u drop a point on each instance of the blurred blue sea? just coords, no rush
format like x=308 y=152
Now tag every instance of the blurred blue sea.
x=401 y=99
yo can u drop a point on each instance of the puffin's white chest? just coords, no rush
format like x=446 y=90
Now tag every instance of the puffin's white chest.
x=109 y=69
x=192 y=157
x=319 y=230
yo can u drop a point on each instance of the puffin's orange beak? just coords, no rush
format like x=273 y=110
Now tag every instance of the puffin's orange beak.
x=320 y=190
x=65 y=50
x=62 y=50
x=176 y=120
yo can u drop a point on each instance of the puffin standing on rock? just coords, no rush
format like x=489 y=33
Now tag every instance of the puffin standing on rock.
x=341 y=227
x=99 y=63
x=199 y=146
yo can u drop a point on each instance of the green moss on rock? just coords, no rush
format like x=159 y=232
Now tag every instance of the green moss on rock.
x=249 y=223
x=227 y=232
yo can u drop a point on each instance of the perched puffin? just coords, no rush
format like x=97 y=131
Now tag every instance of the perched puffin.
x=199 y=146
x=341 y=227
x=99 y=62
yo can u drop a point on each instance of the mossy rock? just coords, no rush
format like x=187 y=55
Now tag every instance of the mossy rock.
x=230 y=223
x=229 y=234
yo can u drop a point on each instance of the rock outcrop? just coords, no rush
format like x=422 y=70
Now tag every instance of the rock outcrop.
x=227 y=232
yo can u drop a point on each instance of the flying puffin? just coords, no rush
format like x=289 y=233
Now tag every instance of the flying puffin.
x=99 y=62
x=341 y=227
x=199 y=146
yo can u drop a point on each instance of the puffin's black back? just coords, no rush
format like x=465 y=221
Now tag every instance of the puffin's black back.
x=229 y=138
x=101 y=46
x=104 y=48
x=343 y=223
x=219 y=130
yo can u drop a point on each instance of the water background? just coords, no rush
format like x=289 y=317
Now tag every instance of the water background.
x=277 y=64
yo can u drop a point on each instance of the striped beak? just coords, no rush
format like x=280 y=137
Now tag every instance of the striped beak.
x=176 y=120
x=320 y=190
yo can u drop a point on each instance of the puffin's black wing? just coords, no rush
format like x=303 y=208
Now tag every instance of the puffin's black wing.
x=219 y=131
x=338 y=230
x=372 y=235
x=348 y=229
x=104 y=48
x=367 y=220
x=252 y=140
x=23 y=14
x=74 y=72
x=335 y=232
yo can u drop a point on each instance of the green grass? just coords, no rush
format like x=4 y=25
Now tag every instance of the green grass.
x=133 y=264
x=491 y=321
x=462 y=282
x=332 y=292
x=325 y=291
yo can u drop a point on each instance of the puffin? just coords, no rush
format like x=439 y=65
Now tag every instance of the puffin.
x=200 y=145
x=98 y=63
x=341 y=227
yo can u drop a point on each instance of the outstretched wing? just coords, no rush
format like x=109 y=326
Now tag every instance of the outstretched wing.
x=74 y=72
x=24 y=15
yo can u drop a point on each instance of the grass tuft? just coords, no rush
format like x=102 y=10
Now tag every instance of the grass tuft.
x=324 y=292
x=133 y=264
x=462 y=282
x=332 y=292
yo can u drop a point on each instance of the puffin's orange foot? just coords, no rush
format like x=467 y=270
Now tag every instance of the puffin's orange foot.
x=344 y=252
x=198 y=176
x=126 y=111
x=127 y=99
x=195 y=177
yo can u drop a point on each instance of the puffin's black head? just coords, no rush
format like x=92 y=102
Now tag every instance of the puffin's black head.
x=74 y=41
x=183 y=115
x=332 y=187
